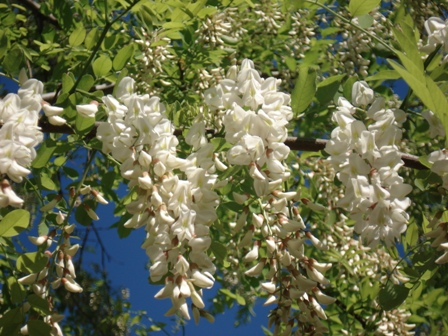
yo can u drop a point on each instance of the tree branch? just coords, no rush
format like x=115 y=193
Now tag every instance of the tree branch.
x=296 y=144
x=35 y=8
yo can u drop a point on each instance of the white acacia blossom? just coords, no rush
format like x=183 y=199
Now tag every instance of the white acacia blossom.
x=437 y=31
x=20 y=133
x=174 y=198
x=254 y=117
x=367 y=161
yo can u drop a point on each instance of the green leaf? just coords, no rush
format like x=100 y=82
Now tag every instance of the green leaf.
x=92 y=38
x=14 y=223
x=219 y=250
x=328 y=88
x=16 y=291
x=361 y=7
x=241 y=301
x=424 y=87
x=38 y=328
x=39 y=304
x=83 y=124
x=123 y=57
x=86 y=82
x=220 y=144
x=291 y=63
x=384 y=75
x=11 y=322
x=47 y=182
x=365 y=21
x=67 y=82
x=44 y=153
x=59 y=161
x=102 y=66
x=71 y=173
x=228 y=293
x=304 y=90
x=233 y=206
x=32 y=262
x=13 y=60
x=412 y=234
x=77 y=37
x=3 y=43
x=440 y=103
x=392 y=296
x=81 y=215
x=330 y=31
x=405 y=37
x=230 y=172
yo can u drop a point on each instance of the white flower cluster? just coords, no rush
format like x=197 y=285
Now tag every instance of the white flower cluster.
x=20 y=133
x=437 y=31
x=156 y=51
x=221 y=27
x=255 y=120
x=367 y=161
x=175 y=212
x=393 y=322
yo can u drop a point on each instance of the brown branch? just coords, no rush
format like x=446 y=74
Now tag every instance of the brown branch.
x=296 y=144
x=35 y=8
x=315 y=145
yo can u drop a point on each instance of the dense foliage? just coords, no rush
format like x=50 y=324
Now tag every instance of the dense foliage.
x=286 y=151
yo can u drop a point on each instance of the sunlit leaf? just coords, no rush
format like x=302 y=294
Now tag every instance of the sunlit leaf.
x=361 y=7
x=77 y=36
x=14 y=222
x=304 y=90
x=101 y=66
x=123 y=57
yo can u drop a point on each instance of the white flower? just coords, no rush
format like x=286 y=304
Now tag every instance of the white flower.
x=247 y=150
x=87 y=110
x=437 y=32
x=435 y=125
x=70 y=284
x=56 y=120
x=125 y=88
x=362 y=94
x=14 y=157
x=51 y=111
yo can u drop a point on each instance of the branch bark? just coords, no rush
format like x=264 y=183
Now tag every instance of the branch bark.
x=294 y=143
x=35 y=8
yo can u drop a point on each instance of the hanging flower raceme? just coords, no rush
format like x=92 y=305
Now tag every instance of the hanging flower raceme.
x=367 y=161
x=58 y=270
x=269 y=237
x=175 y=212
